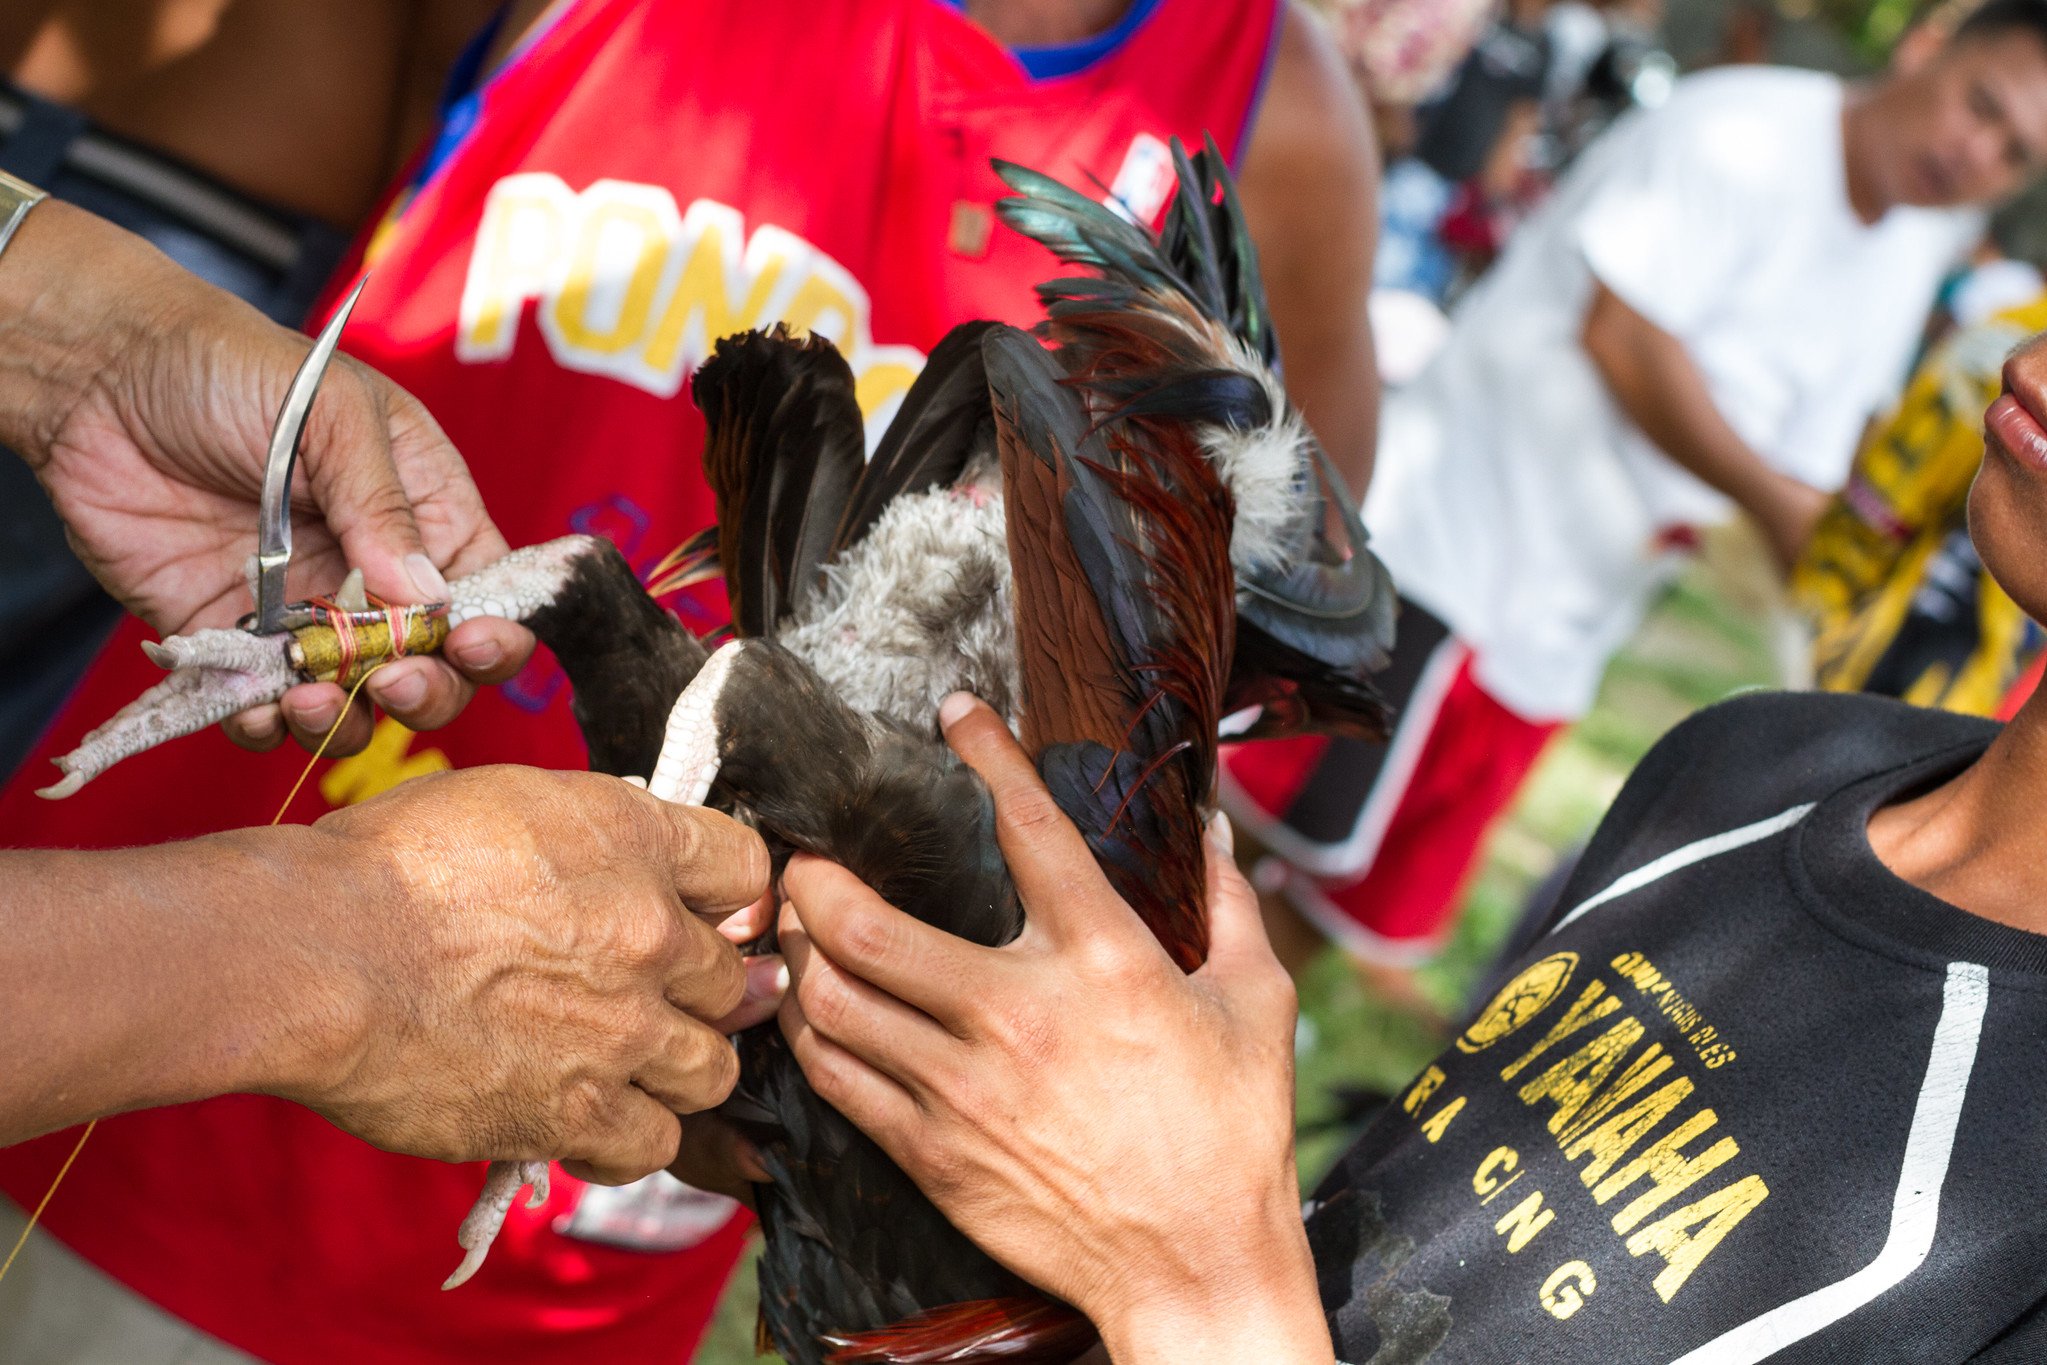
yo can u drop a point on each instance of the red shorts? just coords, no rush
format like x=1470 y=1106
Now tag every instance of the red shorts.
x=1374 y=842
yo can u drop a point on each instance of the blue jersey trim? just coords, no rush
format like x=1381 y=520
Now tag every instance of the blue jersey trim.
x=1067 y=59
x=1257 y=103
x=461 y=101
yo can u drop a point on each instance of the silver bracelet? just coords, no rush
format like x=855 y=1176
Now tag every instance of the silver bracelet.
x=17 y=197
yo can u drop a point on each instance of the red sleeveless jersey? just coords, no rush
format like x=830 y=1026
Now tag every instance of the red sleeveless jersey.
x=641 y=179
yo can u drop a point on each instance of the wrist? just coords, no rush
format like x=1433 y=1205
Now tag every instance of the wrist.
x=296 y=1006
x=1251 y=1300
x=69 y=285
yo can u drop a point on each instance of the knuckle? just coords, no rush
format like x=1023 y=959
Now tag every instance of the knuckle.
x=585 y=1106
x=644 y=936
x=827 y=1003
x=932 y=1158
x=686 y=834
x=719 y=1074
x=868 y=937
x=755 y=868
x=1114 y=962
x=729 y=972
x=1028 y=814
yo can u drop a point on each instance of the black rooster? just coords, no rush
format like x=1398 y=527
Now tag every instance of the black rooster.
x=1117 y=541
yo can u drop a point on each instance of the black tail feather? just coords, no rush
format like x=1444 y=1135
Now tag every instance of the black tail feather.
x=783 y=450
x=942 y=424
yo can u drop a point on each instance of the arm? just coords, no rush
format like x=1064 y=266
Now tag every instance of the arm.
x=1310 y=188
x=1654 y=380
x=495 y=963
x=143 y=398
x=1505 y=163
x=1115 y=1131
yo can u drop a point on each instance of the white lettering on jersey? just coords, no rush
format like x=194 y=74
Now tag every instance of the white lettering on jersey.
x=630 y=287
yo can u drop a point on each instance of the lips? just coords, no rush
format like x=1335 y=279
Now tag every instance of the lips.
x=2017 y=430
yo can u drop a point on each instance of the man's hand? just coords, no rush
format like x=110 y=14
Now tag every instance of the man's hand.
x=1115 y=1131
x=144 y=398
x=1788 y=511
x=538 y=969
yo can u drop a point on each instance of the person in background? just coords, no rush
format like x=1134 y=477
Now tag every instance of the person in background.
x=1703 y=317
x=1471 y=141
x=609 y=187
x=1400 y=53
x=1899 y=600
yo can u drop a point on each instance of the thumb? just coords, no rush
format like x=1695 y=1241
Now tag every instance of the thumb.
x=1236 y=927
x=346 y=455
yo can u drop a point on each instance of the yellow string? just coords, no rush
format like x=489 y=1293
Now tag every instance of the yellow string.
x=327 y=739
x=22 y=1240
x=79 y=1146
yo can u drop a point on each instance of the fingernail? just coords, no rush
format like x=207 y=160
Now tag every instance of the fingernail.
x=405 y=691
x=479 y=654
x=1221 y=831
x=426 y=579
x=954 y=707
x=261 y=724
x=767 y=977
x=316 y=716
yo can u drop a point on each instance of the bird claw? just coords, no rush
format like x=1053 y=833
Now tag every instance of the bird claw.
x=215 y=673
x=487 y=1216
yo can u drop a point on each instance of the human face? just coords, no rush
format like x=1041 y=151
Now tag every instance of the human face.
x=2008 y=504
x=1967 y=126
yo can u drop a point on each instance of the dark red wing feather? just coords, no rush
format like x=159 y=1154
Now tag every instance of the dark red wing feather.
x=1019 y=1331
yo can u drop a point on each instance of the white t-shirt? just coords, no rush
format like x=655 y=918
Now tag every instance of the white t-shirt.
x=1513 y=499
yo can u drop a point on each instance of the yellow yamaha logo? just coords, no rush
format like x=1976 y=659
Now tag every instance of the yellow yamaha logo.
x=1520 y=1000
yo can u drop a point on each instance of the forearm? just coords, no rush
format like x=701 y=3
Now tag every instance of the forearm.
x=151 y=976
x=1656 y=383
x=70 y=286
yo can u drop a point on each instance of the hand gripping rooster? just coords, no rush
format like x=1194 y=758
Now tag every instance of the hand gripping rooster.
x=1116 y=532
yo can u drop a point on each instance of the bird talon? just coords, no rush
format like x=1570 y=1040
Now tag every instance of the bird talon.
x=501 y=1185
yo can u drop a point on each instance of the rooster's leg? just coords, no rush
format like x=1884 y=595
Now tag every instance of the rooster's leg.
x=683 y=774
x=480 y=1228
x=215 y=673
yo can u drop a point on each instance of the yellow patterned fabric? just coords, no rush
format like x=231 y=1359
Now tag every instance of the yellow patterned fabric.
x=1898 y=600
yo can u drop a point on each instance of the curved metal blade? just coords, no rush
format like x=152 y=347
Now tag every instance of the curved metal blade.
x=273 y=546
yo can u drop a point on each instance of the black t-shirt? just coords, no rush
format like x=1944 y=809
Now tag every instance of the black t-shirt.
x=1457 y=133
x=1752 y=1097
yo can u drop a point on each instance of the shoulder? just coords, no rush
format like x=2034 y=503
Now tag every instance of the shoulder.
x=1310 y=164
x=1311 y=113
x=1767 y=89
x=1758 y=756
x=1758 y=126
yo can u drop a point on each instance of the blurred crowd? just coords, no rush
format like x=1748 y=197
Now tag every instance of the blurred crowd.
x=1616 y=296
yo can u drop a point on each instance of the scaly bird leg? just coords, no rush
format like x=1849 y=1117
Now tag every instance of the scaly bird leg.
x=480 y=1228
x=683 y=774
x=215 y=673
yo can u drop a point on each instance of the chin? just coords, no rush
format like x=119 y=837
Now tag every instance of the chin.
x=2008 y=523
